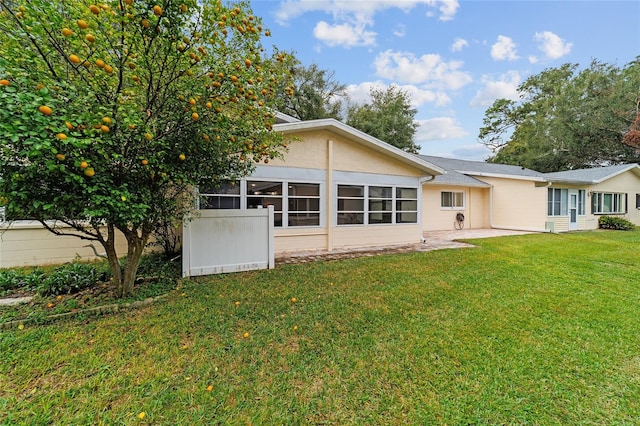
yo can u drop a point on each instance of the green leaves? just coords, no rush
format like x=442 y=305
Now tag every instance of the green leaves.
x=567 y=118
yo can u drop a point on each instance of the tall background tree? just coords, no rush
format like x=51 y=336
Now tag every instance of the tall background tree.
x=566 y=118
x=316 y=94
x=112 y=112
x=388 y=117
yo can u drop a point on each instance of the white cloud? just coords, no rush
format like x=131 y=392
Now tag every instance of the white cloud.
x=346 y=34
x=504 y=49
x=552 y=45
x=354 y=19
x=439 y=128
x=359 y=94
x=475 y=152
x=340 y=8
x=459 y=44
x=400 y=31
x=533 y=59
x=430 y=70
x=505 y=87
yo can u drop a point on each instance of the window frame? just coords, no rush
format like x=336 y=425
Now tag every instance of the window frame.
x=366 y=213
x=617 y=199
x=453 y=196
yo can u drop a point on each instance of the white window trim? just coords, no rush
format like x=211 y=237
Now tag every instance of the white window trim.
x=394 y=211
x=464 y=201
x=622 y=203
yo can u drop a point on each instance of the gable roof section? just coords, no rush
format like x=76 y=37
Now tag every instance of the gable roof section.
x=333 y=125
x=463 y=172
x=591 y=176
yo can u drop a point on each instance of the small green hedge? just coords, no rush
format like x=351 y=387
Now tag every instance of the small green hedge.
x=618 y=223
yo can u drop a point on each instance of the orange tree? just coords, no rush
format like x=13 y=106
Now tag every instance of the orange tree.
x=110 y=111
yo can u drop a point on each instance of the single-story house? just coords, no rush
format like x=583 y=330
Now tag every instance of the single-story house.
x=576 y=198
x=337 y=187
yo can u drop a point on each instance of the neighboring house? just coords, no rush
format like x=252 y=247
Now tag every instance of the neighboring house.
x=576 y=198
x=489 y=195
x=335 y=187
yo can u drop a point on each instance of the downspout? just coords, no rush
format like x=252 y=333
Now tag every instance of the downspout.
x=422 y=181
x=329 y=199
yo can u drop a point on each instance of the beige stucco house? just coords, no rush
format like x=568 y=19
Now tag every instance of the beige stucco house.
x=337 y=187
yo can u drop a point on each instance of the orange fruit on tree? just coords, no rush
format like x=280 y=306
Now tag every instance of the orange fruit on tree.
x=106 y=120
x=145 y=162
x=100 y=63
x=145 y=23
x=148 y=136
x=157 y=10
x=245 y=335
x=247 y=62
x=132 y=65
x=94 y=9
x=209 y=105
x=4 y=82
x=184 y=8
x=61 y=136
x=45 y=110
x=82 y=24
x=90 y=38
x=74 y=59
x=69 y=125
x=66 y=32
x=234 y=78
x=192 y=101
x=182 y=157
x=108 y=69
x=105 y=129
x=195 y=116
x=84 y=165
x=60 y=157
x=89 y=172
x=132 y=126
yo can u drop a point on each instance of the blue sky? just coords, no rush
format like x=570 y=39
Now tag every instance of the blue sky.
x=453 y=57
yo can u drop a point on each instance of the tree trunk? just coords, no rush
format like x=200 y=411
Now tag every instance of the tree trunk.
x=114 y=264
x=135 y=248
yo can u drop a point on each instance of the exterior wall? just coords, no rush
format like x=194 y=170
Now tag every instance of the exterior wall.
x=517 y=204
x=330 y=160
x=436 y=218
x=628 y=183
x=27 y=243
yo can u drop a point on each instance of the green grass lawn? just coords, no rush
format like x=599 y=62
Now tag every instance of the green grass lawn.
x=533 y=329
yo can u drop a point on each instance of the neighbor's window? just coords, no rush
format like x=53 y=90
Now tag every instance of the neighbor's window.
x=608 y=202
x=350 y=205
x=637 y=201
x=557 y=202
x=406 y=205
x=451 y=200
x=224 y=196
x=263 y=194
x=304 y=204
x=380 y=204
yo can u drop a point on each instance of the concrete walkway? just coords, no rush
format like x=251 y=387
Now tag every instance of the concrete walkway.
x=433 y=240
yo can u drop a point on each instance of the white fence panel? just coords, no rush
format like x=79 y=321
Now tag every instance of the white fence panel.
x=221 y=241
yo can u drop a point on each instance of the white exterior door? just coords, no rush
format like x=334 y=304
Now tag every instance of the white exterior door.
x=573 y=211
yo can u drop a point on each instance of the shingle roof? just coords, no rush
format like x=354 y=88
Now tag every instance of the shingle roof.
x=591 y=176
x=461 y=172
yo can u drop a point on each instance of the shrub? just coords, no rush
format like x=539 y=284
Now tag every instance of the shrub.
x=618 y=223
x=12 y=279
x=71 y=278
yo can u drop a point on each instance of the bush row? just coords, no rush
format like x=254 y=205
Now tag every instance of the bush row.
x=612 y=222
